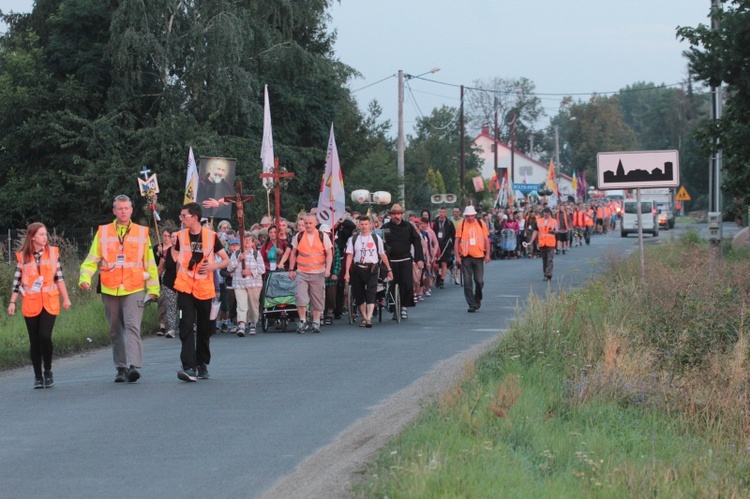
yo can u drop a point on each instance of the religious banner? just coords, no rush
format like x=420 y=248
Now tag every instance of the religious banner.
x=552 y=179
x=332 y=199
x=191 y=183
x=215 y=182
x=478 y=183
x=266 y=149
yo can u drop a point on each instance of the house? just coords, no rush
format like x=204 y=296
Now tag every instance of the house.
x=526 y=170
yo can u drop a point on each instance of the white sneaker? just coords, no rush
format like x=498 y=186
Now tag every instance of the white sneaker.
x=169 y=334
x=252 y=329
x=241 y=331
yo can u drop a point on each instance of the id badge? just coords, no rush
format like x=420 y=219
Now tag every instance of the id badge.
x=120 y=260
x=37 y=286
x=440 y=235
x=472 y=241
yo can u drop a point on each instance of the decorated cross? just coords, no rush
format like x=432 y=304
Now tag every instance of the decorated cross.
x=276 y=177
x=145 y=171
x=239 y=201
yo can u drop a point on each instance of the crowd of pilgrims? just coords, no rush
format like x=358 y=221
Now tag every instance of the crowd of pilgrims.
x=271 y=245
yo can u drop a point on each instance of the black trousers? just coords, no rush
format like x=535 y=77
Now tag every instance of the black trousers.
x=196 y=348
x=404 y=277
x=472 y=273
x=364 y=284
x=40 y=340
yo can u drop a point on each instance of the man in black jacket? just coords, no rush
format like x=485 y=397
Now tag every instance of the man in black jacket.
x=446 y=234
x=400 y=237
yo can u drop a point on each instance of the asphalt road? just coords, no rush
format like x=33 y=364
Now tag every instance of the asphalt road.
x=273 y=400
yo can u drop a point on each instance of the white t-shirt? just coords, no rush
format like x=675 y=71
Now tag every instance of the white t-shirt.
x=366 y=250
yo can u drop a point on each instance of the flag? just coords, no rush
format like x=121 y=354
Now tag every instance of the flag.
x=574 y=181
x=581 y=192
x=191 y=183
x=478 y=183
x=552 y=179
x=494 y=183
x=266 y=149
x=332 y=199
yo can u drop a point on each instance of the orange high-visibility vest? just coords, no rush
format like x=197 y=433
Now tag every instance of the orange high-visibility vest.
x=465 y=232
x=133 y=244
x=311 y=258
x=188 y=279
x=579 y=219
x=599 y=212
x=48 y=296
x=562 y=220
x=546 y=234
x=590 y=217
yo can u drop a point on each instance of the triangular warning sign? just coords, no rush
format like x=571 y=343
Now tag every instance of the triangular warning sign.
x=682 y=195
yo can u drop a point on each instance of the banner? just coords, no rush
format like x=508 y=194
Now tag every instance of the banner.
x=191 y=183
x=266 y=149
x=478 y=183
x=552 y=179
x=332 y=199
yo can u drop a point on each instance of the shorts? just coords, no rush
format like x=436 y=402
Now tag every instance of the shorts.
x=311 y=290
x=561 y=237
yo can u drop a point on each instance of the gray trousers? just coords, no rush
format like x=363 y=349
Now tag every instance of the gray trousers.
x=124 y=316
x=472 y=273
x=548 y=260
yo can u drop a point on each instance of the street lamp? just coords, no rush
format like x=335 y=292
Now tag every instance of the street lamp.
x=557 y=144
x=400 y=144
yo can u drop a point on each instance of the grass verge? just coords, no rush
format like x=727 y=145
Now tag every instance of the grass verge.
x=624 y=388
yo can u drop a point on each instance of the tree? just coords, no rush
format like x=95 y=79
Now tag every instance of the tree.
x=720 y=57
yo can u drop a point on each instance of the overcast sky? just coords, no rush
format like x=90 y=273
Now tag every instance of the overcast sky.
x=566 y=47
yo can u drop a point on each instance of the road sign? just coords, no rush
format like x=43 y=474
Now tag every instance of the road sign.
x=637 y=169
x=682 y=195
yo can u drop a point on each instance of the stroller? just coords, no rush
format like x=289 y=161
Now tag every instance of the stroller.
x=278 y=303
x=507 y=243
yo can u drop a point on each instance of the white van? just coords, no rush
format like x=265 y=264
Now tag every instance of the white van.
x=629 y=224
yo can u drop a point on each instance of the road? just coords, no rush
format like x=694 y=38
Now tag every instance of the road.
x=275 y=403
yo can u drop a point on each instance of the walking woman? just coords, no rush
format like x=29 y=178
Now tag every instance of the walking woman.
x=39 y=280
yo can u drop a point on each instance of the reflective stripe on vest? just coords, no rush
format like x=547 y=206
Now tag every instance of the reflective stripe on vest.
x=189 y=281
x=48 y=296
x=311 y=259
x=128 y=274
x=546 y=232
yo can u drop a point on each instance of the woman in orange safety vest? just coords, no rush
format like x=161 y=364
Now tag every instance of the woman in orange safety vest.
x=39 y=280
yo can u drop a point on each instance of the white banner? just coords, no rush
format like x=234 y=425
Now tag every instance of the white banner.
x=266 y=150
x=191 y=183
x=332 y=199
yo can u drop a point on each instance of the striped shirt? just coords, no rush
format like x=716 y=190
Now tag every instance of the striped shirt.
x=19 y=272
x=253 y=263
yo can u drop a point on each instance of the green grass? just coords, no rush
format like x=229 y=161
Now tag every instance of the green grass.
x=593 y=394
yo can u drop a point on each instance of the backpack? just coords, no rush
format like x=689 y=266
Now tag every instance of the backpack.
x=379 y=267
x=375 y=238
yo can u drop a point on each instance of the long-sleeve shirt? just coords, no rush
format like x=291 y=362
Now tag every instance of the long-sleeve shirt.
x=19 y=272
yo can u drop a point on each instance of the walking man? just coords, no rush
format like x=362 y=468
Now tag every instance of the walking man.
x=312 y=257
x=363 y=253
x=403 y=241
x=472 y=252
x=127 y=266
x=196 y=287
x=446 y=233
x=545 y=229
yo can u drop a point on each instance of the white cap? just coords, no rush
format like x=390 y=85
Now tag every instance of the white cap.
x=469 y=210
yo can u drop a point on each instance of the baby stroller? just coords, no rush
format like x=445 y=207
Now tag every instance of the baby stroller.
x=507 y=243
x=279 y=303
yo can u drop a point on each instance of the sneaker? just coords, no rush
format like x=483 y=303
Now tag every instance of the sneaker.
x=218 y=326
x=420 y=298
x=133 y=375
x=38 y=383
x=122 y=375
x=187 y=375
x=169 y=334
x=241 y=330
x=161 y=331
x=472 y=309
x=224 y=327
x=428 y=293
x=203 y=372
x=49 y=381
x=404 y=314
x=251 y=331
x=328 y=320
x=315 y=328
x=301 y=327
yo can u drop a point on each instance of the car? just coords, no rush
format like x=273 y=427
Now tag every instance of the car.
x=629 y=224
x=665 y=216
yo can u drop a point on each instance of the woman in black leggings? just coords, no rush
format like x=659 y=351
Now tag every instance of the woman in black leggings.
x=39 y=280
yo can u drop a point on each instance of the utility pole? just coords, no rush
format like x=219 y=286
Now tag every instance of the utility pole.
x=462 y=148
x=714 y=176
x=512 y=151
x=494 y=146
x=400 y=142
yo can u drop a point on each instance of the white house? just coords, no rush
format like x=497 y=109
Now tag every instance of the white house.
x=526 y=170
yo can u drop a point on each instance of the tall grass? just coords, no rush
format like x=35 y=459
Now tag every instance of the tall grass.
x=624 y=388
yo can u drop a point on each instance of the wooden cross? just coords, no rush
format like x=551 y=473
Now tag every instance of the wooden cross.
x=239 y=201
x=276 y=175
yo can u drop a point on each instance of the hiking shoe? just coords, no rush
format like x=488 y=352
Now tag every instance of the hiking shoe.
x=169 y=334
x=301 y=327
x=327 y=320
x=404 y=314
x=187 y=375
x=133 y=375
x=315 y=328
x=122 y=375
x=241 y=331
x=252 y=330
x=49 y=381
x=38 y=383
x=203 y=371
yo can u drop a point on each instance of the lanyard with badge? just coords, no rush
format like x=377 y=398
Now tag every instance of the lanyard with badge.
x=121 y=256
x=37 y=286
